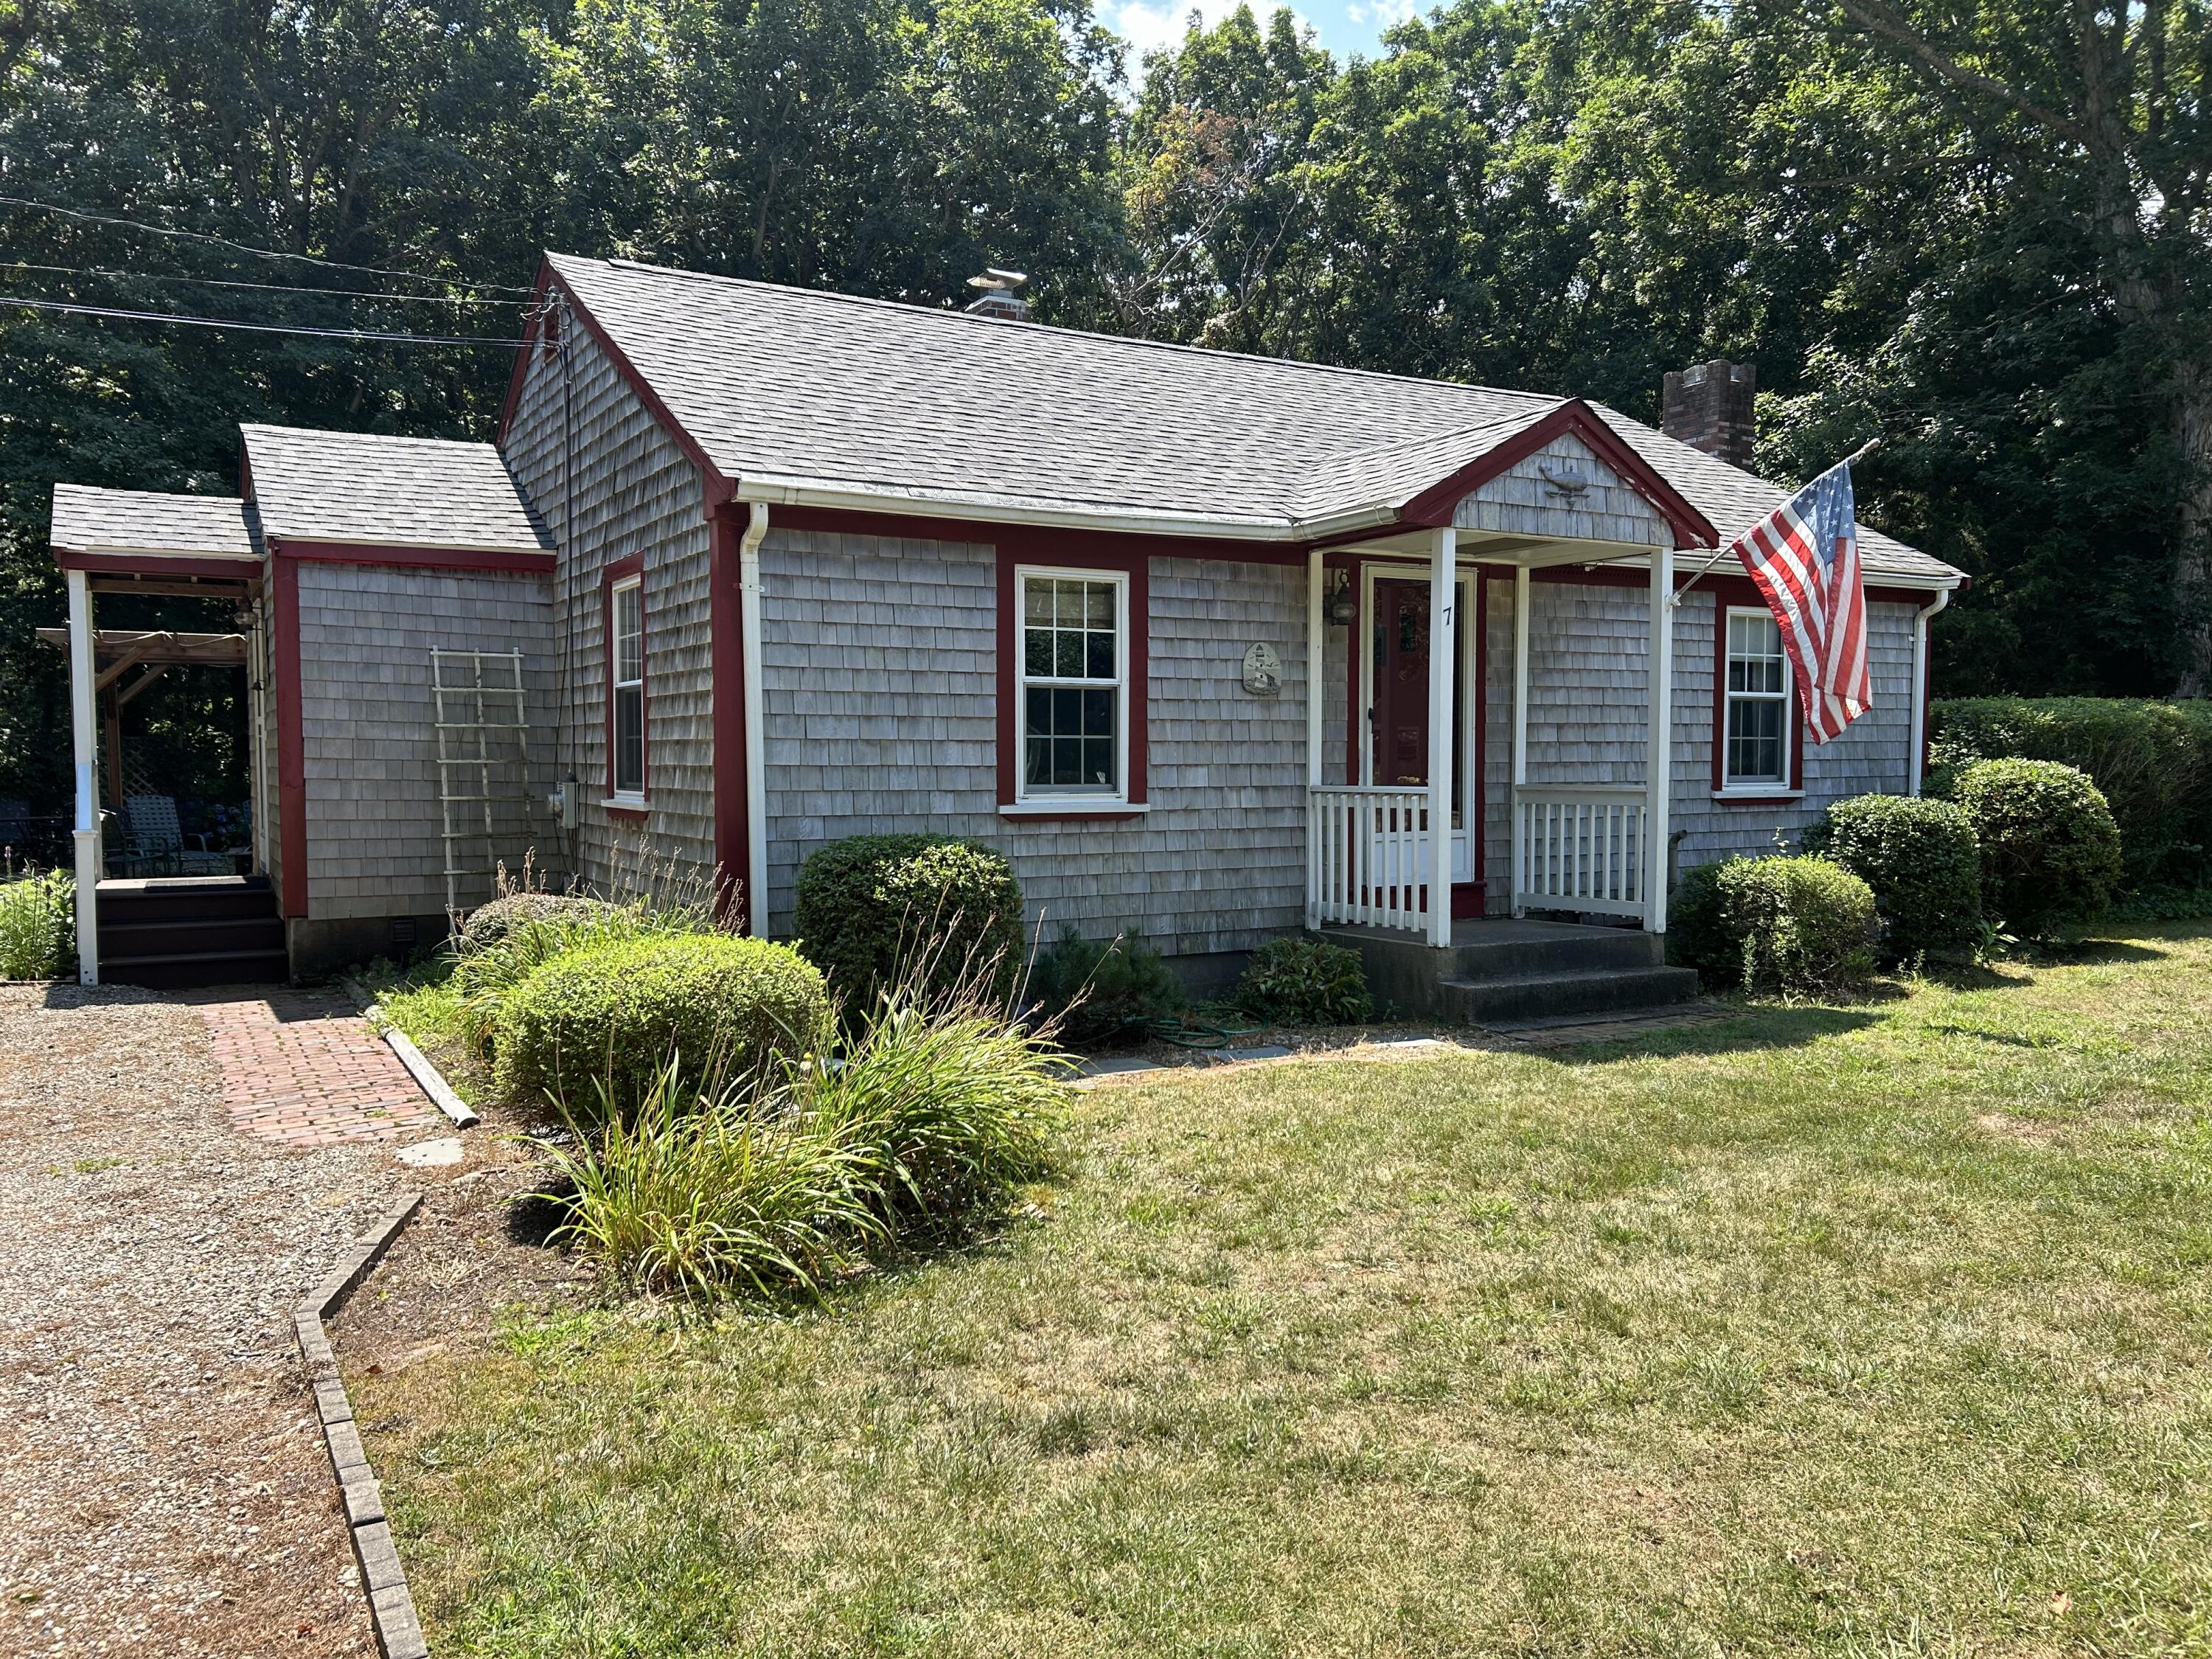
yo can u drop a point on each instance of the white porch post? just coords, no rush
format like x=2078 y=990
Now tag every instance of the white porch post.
x=1659 y=753
x=88 y=789
x=1520 y=725
x=1314 y=622
x=1444 y=653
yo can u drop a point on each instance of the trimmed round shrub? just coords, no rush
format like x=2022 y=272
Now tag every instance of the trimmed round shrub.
x=873 y=910
x=618 y=1014
x=1797 y=926
x=1305 y=981
x=489 y=924
x=2050 y=853
x=1923 y=862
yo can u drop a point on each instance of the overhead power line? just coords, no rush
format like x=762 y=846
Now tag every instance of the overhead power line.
x=384 y=335
x=247 y=247
x=266 y=287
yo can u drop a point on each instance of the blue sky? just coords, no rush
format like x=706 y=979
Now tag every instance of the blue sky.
x=1343 y=26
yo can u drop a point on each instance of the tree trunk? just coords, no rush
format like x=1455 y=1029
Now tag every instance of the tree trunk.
x=2192 y=554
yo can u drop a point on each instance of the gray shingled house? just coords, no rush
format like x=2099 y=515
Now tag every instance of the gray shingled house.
x=1214 y=648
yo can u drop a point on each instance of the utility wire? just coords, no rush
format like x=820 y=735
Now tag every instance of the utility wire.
x=268 y=288
x=245 y=247
x=260 y=328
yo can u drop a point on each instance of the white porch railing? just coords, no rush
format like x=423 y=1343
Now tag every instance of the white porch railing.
x=1581 y=848
x=1368 y=855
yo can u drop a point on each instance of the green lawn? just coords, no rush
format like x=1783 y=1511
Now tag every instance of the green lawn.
x=1873 y=1330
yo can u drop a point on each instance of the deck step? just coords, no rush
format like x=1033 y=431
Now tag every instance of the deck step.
x=189 y=971
x=1583 y=991
x=156 y=938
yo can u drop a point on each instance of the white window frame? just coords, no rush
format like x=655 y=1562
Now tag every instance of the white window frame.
x=1766 y=789
x=1071 y=797
x=634 y=584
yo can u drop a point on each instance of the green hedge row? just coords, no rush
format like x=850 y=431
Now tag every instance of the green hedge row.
x=2153 y=762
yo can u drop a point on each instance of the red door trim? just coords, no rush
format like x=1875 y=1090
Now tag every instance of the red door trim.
x=619 y=571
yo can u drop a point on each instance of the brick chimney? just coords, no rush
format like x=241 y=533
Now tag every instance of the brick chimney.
x=1709 y=407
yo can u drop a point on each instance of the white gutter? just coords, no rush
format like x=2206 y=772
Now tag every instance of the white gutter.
x=749 y=636
x=1916 y=762
x=796 y=492
x=88 y=793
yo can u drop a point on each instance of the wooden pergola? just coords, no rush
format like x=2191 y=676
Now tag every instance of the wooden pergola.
x=152 y=652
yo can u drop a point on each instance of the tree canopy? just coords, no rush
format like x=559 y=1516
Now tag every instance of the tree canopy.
x=1984 y=233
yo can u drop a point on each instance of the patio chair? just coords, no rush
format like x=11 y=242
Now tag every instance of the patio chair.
x=153 y=842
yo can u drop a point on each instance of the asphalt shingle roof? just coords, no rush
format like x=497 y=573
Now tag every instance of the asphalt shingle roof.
x=88 y=519
x=394 y=492
x=799 y=386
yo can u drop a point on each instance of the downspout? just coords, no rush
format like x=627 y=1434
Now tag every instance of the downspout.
x=87 y=790
x=1917 y=763
x=749 y=634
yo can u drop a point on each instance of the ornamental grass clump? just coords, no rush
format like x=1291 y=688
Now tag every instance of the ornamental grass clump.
x=906 y=1127
x=597 y=1026
x=38 y=925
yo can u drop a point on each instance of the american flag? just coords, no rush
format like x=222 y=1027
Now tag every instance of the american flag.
x=1805 y=560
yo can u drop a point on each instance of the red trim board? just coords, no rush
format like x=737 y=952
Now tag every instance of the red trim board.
x=159 y=564
x=617 y=571
x=733 y=875
x=1033 y=547
x=1435 y=505
x=443 y=558
x=1740 y=592
x=291 y=744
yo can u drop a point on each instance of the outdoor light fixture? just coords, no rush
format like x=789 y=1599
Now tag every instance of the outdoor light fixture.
x=1342 y=608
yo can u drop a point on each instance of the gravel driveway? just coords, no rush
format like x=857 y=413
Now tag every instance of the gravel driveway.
x=163 y=1488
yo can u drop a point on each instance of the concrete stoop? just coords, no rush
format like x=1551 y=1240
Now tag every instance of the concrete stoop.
x=1503 y=970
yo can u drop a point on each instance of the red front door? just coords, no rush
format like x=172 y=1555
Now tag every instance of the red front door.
x=1400 y=715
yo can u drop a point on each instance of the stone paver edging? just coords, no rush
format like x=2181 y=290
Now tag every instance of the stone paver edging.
x=427 y=1076
x=391 y=1607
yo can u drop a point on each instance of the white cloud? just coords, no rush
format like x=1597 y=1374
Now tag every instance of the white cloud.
x=1380 y=14
x=1150 y=27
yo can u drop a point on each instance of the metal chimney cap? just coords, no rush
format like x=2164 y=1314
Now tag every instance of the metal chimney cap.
x=997 y=281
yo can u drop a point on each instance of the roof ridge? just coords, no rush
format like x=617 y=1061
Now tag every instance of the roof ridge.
x=371 y=437
x=906 y=308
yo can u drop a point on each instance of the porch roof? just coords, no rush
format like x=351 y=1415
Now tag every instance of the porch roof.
x=90 y=522
x=155 y=647
x=372 y=490
x=801 y=395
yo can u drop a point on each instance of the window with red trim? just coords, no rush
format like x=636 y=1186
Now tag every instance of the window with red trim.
x=626 y=689
x=1072 y=670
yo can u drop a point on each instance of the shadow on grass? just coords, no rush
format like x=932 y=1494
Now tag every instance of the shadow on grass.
x=1750 y=1027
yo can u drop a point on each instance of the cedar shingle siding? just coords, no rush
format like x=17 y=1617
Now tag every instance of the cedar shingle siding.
x=370 y=782
x=635 y=492
x=881 y=675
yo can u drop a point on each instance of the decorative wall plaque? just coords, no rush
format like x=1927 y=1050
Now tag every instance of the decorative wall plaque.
x=1263 y=670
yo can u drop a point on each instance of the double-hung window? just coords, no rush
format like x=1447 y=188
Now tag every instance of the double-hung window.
x=626 y=689
x=1073 y=698
x=1756 y=742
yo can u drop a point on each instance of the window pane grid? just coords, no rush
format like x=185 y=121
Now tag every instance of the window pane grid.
x=626 y=693
x=1756 y=746
x=1071 y=686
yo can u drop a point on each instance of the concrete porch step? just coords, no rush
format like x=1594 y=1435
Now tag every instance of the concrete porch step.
x=1585 y=991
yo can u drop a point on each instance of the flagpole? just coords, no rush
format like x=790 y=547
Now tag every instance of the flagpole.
x=1852 y=460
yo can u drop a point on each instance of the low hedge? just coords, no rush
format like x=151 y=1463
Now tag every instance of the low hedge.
x=1924 y=864
x=872 y=908
x=2152 y=760
x=1798 y=926
x=1305 y=981
x=2050 y=853
x=618 y=1013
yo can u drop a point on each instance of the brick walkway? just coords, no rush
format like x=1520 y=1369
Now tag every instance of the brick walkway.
x=302 y=1067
